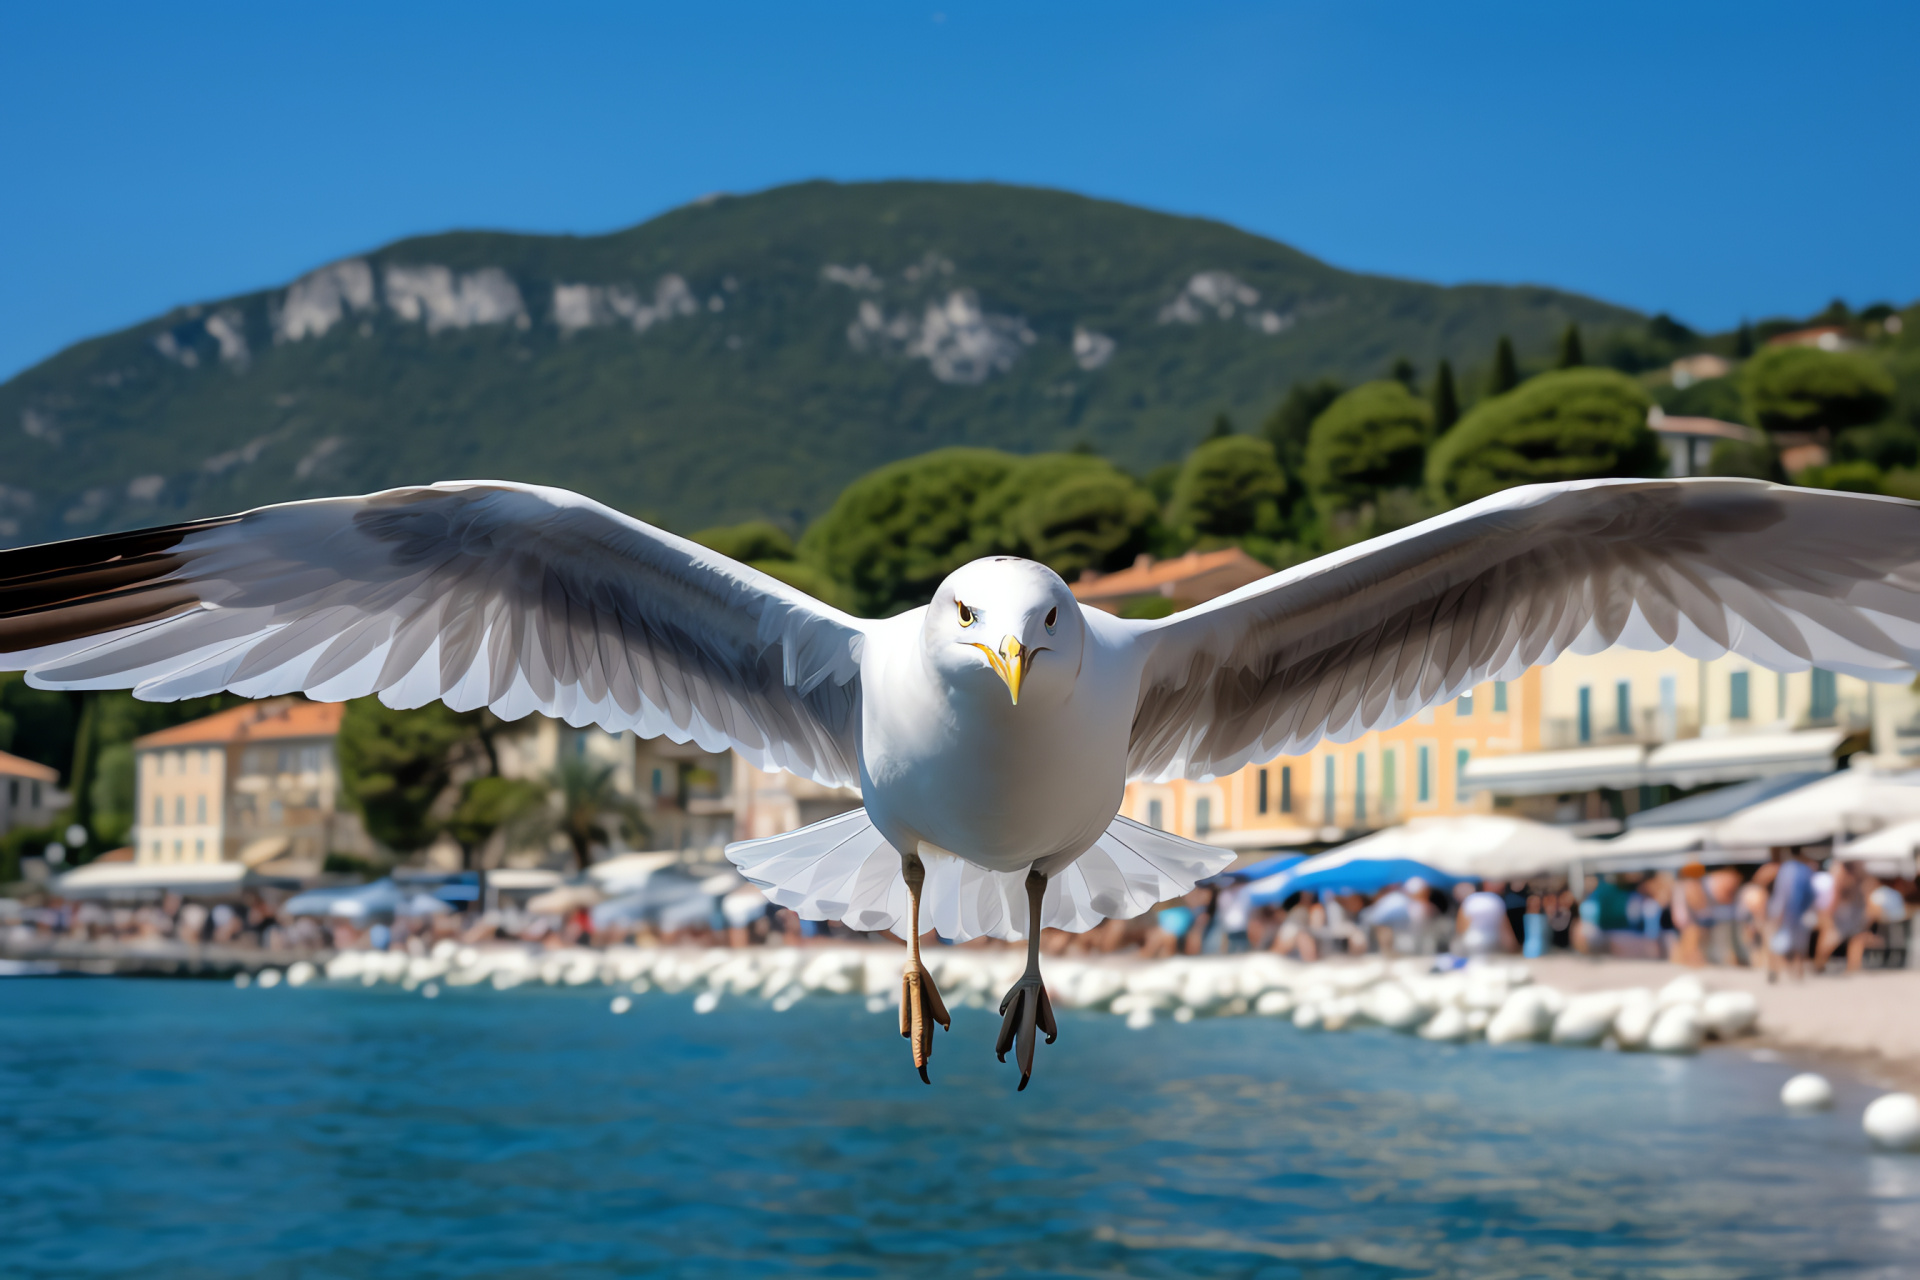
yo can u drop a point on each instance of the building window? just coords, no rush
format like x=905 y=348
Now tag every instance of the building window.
x=1622 y=707
x=1780 y=696
x=1669 y=709
x=1359 y=790
x=1260 y=799
x=1826 y=695
x=1202 y=816
x=200 y=850
x=179 y=847
x=1286 y=788
x=1389 y=782
x=36 y=795
x=159 y=812
x=1464 y=705
x=1737 y=707
x=179 y=811
x=13 y=793
x=659 y=782
x=1328 y=771
x=1460 y=759
x=1155 y=817
x=1499 y=695
x=1586 y=713
x=200 y=809
x=156 y=851
x=1423 y=775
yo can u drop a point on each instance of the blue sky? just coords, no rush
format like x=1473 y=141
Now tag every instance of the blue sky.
x=1711 y=160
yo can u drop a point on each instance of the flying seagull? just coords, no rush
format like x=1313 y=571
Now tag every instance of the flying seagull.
x=992 y=732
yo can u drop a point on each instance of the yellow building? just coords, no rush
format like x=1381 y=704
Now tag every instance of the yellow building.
x=1338 y=790
x=248 y=785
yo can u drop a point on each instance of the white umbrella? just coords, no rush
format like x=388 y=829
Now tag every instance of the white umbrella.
x=1894 y=845
x=1854 y=801
x=1471 y=846
x=381 y=898
x=564 y=899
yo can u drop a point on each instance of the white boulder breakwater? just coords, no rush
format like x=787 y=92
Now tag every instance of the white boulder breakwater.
x=1496 y=1001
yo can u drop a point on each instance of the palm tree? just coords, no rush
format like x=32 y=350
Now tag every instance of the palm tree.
x=591 y=807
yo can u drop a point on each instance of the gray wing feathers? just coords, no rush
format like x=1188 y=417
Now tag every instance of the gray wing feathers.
x=1368 y=636
x=485 y=594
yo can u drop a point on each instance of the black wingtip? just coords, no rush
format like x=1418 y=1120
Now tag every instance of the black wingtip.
x=1023 y=1084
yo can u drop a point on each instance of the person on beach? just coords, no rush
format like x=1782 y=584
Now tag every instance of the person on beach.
x=1295 y=934
x=1787 y=918
x=1843 y=922
x=1482 y=929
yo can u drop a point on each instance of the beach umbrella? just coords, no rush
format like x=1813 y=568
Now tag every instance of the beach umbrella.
x=361 y=902
x=1338 y=872
x=670 y=899
x=564 y=900
x=1893 y=846
x=1856 y=801
x=422 y=904
x=1470 y=846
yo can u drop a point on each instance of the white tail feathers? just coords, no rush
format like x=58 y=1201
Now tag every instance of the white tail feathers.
x=844 y=869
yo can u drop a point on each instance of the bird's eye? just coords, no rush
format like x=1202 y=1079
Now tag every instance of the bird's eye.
x=966 y=614
x=1053 y=616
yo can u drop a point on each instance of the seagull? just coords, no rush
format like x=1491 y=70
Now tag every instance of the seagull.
x=991 y=732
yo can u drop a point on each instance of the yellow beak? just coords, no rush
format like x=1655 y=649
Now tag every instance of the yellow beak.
x=1010 y=664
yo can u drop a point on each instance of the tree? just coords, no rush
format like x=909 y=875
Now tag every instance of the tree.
x=591 y=807
x=1291 y=422
x=766 y=547
x=1222 y=426
x=1572 y=353
x=1572 y=424
x=1403 y=372
x=486 y=805
x=1506 y=371
x=394 y=766
x=894 y=533
x=1373 y=438
x=1446 y=402
x=1071 y=512
x=1228 y=489
x=1743 y=341
x=1806 y=389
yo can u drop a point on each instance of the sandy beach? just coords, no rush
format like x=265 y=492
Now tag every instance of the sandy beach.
x=1864 y=1021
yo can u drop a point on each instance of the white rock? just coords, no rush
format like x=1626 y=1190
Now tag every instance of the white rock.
x=1183 y=1014
x=1392 y=1005
x=1892 y=1121
x=346 y=966
x=269 y=978
x=1685 y=989
x=621 y=1004
x=1806 y=1092
x=1140 y=1019
x=1307 y=1016
x=1133 y=1001
x=1525 y=1016
x=1339 y=1013
x=431 y=991
x=708 y=1001
x=1586 y=1019
x=1274 y=1004
x=1634 y=1023
x=1676 y=1030
x=445 y=950
x=507 y=979
x=300 y=973
x=1730 y=1013
x=1477 y=1020
x=243 y=980
x=1449 y=1023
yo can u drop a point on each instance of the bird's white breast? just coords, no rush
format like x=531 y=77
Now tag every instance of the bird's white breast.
x=971 y=773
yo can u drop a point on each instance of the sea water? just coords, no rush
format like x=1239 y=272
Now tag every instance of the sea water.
x=192 y=1129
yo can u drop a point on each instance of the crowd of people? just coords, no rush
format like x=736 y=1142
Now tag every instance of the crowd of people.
x=1787 y=914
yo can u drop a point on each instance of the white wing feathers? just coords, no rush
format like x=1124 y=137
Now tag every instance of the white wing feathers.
x=479 y=593
x=1366 y=637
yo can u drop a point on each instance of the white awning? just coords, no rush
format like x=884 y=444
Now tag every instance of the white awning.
x=1264 y=838
x=1856 y=801
x=515 y=879
x=1695 y=762
x=1549 y=773
x=131 y=879
x=1476 y=846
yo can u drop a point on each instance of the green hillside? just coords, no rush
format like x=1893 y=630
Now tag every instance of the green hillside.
x=741 y=357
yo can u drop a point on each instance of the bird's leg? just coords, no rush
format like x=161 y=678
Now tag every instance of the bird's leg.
x=920 y=1003
x=1027 y=1006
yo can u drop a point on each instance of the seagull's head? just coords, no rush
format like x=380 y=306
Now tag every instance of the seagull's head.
x=1009 y=619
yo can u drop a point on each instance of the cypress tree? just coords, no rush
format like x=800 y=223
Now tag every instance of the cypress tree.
x=1446 y=405
x=1572 y=356
x=1222 y=426
x=1743 y=341
x=1404 y=374
x=1506 y=371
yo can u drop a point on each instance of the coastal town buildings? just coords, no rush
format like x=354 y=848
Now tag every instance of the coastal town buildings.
x=29 y=793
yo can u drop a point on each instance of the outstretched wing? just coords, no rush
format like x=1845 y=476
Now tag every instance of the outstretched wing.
x=479 y=593
x=1365 y=637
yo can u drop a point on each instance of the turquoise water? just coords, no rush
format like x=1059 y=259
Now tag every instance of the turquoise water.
x=189 y=1129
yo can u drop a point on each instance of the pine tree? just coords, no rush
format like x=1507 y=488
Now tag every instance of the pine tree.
x=1404 y=373
x=1446 y=404
x=1743 y=341
x=1506 y=371
x=1572 y=355
x=1222 y=426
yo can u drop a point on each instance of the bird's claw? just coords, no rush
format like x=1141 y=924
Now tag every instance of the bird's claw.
x=920 y=1008
x=1025 y=1009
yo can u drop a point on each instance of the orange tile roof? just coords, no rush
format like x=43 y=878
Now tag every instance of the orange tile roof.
x=1148 y=576
x=12 y=766
x=259 y=721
